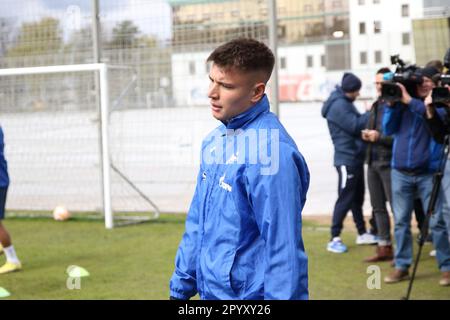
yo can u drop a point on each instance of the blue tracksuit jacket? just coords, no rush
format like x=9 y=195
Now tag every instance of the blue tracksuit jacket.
x=243 y=237
x=414 y=148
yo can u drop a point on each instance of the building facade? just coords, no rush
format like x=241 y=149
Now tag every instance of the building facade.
x=313 y=38
x=317 y=40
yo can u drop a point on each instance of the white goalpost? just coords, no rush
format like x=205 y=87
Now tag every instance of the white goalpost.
x=105 y=161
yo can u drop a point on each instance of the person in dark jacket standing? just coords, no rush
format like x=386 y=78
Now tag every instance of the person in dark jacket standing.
x=378 y=158
x=345 y=124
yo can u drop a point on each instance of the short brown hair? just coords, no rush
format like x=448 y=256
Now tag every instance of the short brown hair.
x=245 y=55
x=437 y=64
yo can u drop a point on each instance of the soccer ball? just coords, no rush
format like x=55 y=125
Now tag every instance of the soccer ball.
x=61 y=214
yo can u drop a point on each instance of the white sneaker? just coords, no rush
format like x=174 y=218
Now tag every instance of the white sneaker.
x=433 y=253
x=336 y=246
x=366 y=238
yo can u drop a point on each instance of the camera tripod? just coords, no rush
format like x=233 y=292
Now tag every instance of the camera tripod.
x=431 y=206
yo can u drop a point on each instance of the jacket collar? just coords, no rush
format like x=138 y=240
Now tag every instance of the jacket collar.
x=240 y=120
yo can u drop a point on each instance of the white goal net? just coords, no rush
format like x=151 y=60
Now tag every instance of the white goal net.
x=64 y=150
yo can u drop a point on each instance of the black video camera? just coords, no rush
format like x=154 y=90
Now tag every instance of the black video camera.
x=407 y=75
x=441 y=94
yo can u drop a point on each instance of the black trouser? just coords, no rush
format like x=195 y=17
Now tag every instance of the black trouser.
x=350 y=197
x=379 y=183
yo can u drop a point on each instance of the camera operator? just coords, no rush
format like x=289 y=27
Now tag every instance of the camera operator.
x=439 y=124
x=378 y=159
x=415 y=158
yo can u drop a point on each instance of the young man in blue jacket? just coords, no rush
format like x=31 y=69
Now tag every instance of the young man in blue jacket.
x=243 y=237
x=415 y=158
x=12 y=262
x=345 y=124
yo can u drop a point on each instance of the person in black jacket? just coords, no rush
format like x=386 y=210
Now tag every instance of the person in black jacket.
x=345 y=124
x=378 y=158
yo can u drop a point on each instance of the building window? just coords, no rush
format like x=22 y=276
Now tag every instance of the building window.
x=363 y=57
x=405 y=10
x=235 y=13
x=322 y=60
x=377 y=27
x=378 y=58
x=337 y=56
x=309 y=61
x=192 y=68
x=282 y=63
x=406 y=38
x=376 y=1
x=361 y=2
x=307 y=8
x=362 y=28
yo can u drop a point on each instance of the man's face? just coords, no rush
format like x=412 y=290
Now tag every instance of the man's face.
x=232 y=92
x=378 y=82
x=352 y=95
x=425 y=88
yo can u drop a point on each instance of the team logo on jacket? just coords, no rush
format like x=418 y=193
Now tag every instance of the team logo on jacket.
x=223 y=184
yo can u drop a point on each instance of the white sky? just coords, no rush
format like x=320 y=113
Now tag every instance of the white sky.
x=151 y=16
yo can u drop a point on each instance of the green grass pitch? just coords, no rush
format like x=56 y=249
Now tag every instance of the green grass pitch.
x=136 y=262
